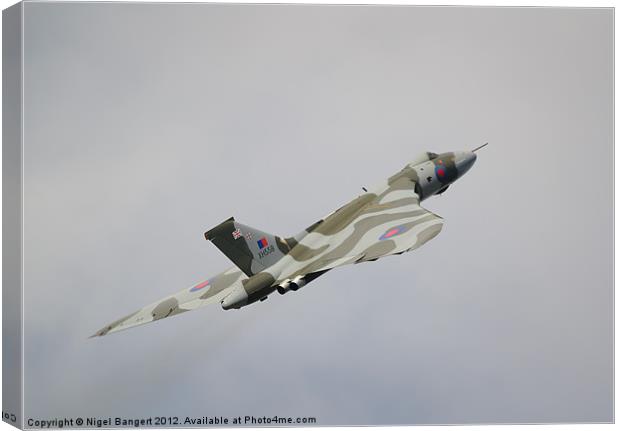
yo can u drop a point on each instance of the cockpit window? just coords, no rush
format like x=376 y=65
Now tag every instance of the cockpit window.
x=432 y=156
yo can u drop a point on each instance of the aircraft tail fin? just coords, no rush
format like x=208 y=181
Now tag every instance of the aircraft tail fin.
x=250 y=249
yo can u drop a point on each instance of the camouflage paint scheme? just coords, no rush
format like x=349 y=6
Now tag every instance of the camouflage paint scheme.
x=384 y=221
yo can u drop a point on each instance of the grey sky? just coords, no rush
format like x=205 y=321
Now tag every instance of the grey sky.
x=146 y=125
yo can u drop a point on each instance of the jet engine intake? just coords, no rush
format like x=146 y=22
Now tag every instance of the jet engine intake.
x=237 y=298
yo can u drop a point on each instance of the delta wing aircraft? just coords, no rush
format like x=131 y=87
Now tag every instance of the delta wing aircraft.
x=383 y=221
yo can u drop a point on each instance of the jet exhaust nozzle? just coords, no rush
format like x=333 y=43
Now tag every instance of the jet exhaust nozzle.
x=298 y=282
x=284 y=287
x=294 y=285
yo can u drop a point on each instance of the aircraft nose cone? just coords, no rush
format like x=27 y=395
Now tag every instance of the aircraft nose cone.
x=464 y=161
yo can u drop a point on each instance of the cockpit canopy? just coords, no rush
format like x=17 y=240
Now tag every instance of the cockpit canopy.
x=423 y=157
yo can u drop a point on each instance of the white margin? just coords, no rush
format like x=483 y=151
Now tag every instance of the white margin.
x=481 y=3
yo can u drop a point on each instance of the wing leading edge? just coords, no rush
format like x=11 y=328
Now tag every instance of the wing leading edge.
x=381 y=223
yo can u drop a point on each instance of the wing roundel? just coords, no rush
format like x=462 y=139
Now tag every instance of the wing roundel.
x=374 y=225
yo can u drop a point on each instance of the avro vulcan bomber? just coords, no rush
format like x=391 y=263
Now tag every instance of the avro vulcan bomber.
x=383 y=221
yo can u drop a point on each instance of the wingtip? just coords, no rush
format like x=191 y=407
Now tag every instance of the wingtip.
x=101 y=332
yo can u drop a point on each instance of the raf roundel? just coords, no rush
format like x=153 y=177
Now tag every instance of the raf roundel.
x=440 y=171
x=393 y=231
x=199 y=286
